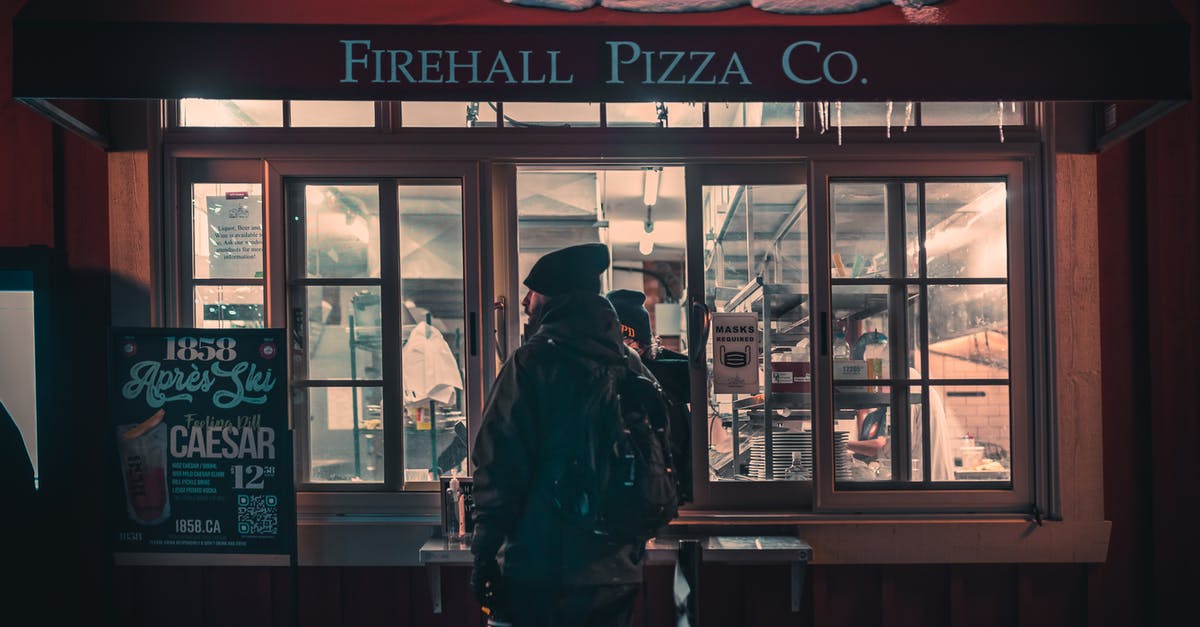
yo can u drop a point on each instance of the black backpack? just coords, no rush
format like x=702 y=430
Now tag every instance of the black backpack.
x=619 y=482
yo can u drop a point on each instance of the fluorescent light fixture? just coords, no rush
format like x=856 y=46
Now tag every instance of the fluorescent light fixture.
x=650 y=186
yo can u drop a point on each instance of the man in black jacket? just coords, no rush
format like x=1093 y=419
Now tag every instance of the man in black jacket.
x=552 y=573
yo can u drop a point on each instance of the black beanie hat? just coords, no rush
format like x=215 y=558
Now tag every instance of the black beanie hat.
x=570 y=269
x=635 y=320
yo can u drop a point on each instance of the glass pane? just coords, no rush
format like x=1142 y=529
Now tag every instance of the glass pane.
x=229 y=306
x=860 y=332
x=914 y=345
x=204 y=112
x=966 y=230
x=330 y=113
x=227 y=231
x=862 y=431
x=342 y=231
x=521 y=114
x=344 y=332
x=912 y=229
x=755 y=436
x=447 y=114
x=916 y=457
x=677 y=114
x=973 y=433
x=968 y=331
x=345 y=429
x=865 y=114
x=860 y=229
x=972 y=113
x=433 y=322
x=755 y=114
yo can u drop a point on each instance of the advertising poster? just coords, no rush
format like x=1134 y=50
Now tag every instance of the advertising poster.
x=200 y=427
x=735 y=353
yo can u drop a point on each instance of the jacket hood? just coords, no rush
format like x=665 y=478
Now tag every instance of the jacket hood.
x=585 y=323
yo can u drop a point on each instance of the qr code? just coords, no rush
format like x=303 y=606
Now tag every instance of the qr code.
x=257 y=514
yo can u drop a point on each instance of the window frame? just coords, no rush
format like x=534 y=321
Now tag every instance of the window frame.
x=1025 y=415
x=483 y=156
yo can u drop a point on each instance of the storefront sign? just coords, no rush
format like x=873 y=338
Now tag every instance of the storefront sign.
x=735 y=353
x=596 y=63
x=203 y=446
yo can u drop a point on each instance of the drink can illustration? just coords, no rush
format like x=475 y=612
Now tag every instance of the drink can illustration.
x=142 y=449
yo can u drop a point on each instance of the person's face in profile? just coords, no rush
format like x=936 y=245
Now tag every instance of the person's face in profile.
x=532 y=306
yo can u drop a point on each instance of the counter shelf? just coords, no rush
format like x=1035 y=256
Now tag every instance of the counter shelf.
x=439 y=551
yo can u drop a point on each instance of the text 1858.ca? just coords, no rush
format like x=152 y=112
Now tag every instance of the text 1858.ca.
x=197 y=525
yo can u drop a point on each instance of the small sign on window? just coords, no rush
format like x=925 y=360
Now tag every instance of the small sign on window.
x=735 y=353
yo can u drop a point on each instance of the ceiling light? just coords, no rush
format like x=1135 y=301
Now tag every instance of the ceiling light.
x=646 y=244
x=650 y=186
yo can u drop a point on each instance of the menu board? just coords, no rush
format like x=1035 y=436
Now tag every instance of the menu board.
x=199 y=420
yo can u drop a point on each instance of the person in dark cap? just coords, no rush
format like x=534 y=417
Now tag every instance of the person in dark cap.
x=570 y=269
x=671 y=370
x=530 y=566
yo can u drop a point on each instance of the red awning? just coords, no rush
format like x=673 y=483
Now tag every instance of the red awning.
x=488 y=49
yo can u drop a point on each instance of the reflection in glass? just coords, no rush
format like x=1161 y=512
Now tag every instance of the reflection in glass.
x=433 y=330
x=865 y=114
x=231 y=113
x=533 y=114
x=678 y=114
x=344 y=332
x=229 y=307
x=342 y=231
x=860 y=229
x=966 y=230
x=976 y=432
x=345 y=428
x=972 y=113
x=447 y=114
x=227 y=231
x=333 y=113
x=755 y=114
x=968 y=331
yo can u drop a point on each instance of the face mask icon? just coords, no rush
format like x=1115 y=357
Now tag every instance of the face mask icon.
x=735 y=359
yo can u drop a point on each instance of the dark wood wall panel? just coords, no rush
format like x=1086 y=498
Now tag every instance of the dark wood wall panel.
x=915 y=596
x=458 y=604
x=376 y=596
x=847 y=595
x=983 y=595
x=1052 y=595
x=767 y=591
x=153 y=595
x=657 y=598
x=237 y=597
x=721 y=600
x=320 y=596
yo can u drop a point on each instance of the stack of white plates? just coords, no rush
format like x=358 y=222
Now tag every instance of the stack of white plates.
x=841 y=470
x=783 y=444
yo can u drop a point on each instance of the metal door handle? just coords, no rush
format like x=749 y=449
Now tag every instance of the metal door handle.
x=500 y=319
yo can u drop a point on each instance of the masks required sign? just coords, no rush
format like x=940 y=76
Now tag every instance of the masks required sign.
x=735 y=353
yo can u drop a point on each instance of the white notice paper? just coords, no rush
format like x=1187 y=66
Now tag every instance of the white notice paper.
x=735 y=353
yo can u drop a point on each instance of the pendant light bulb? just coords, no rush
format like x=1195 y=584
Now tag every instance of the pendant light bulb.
x=646 y=244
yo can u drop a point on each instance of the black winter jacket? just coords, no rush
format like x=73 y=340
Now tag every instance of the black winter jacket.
x=530 y=428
